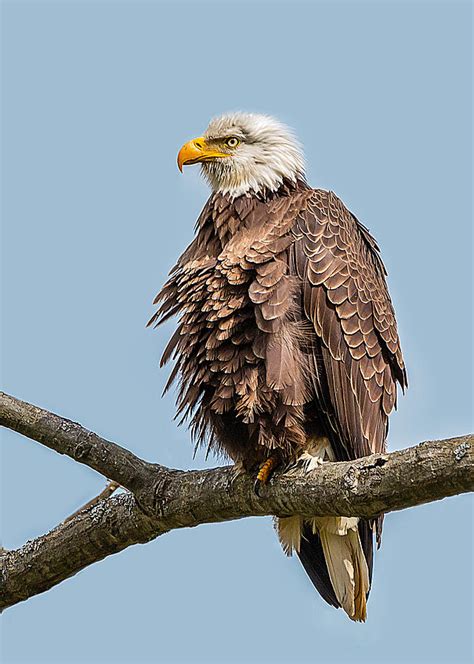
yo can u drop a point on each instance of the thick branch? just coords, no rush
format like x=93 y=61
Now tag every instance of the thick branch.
x=108 y=528
x=167 y=499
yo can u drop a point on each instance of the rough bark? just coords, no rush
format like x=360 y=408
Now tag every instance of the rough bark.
x=165 y=499
x=67 y=437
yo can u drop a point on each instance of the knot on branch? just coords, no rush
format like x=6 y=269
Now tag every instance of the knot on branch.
x=461 y=451
x=81 y=451
x=350 y=479
x=356 y=473
x=378 y=463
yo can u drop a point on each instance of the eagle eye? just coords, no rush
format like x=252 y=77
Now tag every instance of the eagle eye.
x=232 y=142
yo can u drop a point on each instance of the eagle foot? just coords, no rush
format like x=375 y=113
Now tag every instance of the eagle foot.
x=306 y=463
x=265 y=472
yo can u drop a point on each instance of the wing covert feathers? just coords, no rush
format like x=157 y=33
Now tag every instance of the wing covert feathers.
x=346 y=298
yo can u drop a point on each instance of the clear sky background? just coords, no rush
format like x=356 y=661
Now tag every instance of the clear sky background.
x=97 y=99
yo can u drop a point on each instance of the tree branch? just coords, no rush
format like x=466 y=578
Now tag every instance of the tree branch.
x=166 y=499
x=110 y=488
x=70 y=438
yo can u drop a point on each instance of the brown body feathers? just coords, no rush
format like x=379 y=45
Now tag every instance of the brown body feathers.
x=286 y=329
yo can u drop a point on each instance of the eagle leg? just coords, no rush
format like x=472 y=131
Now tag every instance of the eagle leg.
x=265 y=472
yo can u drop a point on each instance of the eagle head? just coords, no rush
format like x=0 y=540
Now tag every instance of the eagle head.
x=245 y=153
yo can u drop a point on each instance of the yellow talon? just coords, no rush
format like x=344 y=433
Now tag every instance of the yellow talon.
x=265 y=469
x=265 y=472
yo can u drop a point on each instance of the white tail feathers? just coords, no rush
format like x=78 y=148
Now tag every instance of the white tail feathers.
x=289 y=533
x=347 y=567
x=343 y=554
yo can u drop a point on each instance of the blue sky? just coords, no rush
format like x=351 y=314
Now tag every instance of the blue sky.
x=97 y=99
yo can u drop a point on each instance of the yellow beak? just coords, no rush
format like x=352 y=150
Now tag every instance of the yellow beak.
x=195 y=151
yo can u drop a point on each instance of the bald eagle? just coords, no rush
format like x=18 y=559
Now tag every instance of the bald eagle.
x=287 y=349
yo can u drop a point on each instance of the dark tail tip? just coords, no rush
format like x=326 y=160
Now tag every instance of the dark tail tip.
x=312 y=558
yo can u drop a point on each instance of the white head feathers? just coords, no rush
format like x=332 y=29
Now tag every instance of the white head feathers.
x=267 y=154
